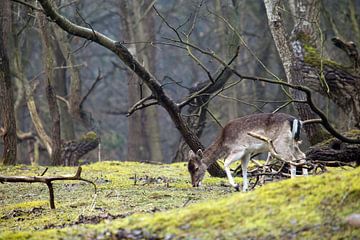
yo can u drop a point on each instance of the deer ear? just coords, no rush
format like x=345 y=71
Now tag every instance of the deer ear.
x=191 y=154
x=199 y=153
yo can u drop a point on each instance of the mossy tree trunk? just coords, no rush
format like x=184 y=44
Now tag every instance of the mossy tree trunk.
x=342 y=85
x=8 y=131
x=304 y=63
x=291 y=52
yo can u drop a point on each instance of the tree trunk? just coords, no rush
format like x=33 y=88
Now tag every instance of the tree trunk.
x=67 y=124
x=152 y=119
x=75 y=99
x=8 y=132
x=136 y=141
x=48 y=61
x=24 y=84
x=291 y=55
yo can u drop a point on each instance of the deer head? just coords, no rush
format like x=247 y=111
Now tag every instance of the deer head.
x=197 y=168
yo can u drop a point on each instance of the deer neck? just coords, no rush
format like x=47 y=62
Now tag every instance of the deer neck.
x=213 y=153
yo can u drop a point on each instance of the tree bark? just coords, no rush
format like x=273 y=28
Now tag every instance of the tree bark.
x=8 y=132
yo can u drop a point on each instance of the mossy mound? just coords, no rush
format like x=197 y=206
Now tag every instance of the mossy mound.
x=301 y=208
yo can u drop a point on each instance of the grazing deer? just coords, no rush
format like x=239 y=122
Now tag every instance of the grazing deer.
x=234 y=143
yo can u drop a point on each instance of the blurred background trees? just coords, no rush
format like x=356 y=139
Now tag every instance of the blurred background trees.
x=94 y=90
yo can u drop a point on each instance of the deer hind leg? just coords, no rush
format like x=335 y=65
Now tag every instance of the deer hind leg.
x=232 y=157
x=300 y=157
x=262 y=178
x=286 y=152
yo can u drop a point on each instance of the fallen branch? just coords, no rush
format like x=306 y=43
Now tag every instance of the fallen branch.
x=47 y=180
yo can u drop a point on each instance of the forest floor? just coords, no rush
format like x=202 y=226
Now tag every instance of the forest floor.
x=153 y=201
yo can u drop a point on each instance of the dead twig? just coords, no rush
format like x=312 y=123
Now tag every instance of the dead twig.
x=142 y=104
x=47 y=180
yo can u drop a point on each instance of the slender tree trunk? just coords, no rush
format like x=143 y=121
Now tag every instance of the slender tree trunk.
x=136 y=140
x=24 y=88
x=49 y=60
x=146 y=31
x=8 y=132
x=67 y=124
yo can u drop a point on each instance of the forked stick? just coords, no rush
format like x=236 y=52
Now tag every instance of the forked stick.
x=47 y=181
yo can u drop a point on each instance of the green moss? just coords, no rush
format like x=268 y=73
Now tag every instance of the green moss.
x=301 y=208
x=313 y=57
x=89 y=136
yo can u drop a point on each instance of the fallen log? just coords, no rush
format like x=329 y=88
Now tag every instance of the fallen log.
x=333 y=152
x=47 y=180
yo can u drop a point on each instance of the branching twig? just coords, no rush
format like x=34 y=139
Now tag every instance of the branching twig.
x=64 y=100
x=47 y=180
x=207 y=87
x=142 y=104
x=97 y=80
x=272 y=148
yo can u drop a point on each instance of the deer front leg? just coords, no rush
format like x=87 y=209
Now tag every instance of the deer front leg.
x=244 y=164
x=228 y=161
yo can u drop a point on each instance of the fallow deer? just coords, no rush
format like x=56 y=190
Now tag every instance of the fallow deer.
x=234 y=143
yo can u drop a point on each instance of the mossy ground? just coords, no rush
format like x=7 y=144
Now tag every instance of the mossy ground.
x=163 y=202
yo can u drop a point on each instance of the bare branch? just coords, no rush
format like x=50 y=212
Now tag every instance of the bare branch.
x=97 y=80
x=208 y=87
x=64 y=100
x=142 y=104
